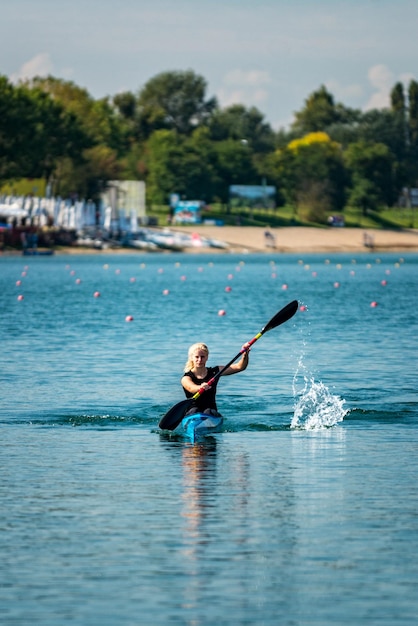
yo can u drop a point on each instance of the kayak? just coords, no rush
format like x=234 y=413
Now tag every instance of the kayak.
x=201 y=424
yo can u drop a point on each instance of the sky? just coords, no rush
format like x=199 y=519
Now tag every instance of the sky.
x=271 y=54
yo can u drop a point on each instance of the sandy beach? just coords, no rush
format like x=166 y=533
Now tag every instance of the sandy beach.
x=247 y=240
x=301 y=239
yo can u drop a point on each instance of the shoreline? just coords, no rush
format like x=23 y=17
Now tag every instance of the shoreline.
x=286 y=240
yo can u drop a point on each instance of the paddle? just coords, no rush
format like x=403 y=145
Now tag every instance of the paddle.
x=173 y=417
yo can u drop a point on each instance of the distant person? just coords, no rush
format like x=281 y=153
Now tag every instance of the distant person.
x=269 y=239
x=368 y=241
x=197 y=375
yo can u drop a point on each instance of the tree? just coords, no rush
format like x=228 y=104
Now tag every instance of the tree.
x=242 y=124
x=35 y=131
x=174 y=101
x=364 y=195
x=182 y=165
x=318 y=113
x=372 y=162
x=311 y=174
x=234 y=166
x=413 y=132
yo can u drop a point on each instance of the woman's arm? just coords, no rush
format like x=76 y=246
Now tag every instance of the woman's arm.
x=190 y=386
x=241 y=365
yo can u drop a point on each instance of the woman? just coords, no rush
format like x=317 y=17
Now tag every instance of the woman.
x=196 y=376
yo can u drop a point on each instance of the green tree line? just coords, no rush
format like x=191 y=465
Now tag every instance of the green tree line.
x=178 y=140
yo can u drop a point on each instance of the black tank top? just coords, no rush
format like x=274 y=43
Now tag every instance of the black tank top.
x=208 y=398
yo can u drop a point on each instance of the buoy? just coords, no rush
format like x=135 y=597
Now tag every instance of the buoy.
x=336 y=285
x=303 y=307
x=221 y=312
x=284 y=286
x=132 y=280
x=230 y=276
x=129 y=318
x=228 y=288
x=20 y=297
x=165 y=292
x=383 y=283
x=373 y=304
x=77 y=281
x=314 y=274
x=18 y=283
x=96 y=294
x=274 y=275
x=183 y=277
x=117 y=271
x=72 y=273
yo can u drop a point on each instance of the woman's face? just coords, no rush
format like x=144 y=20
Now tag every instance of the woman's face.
x=199 y=358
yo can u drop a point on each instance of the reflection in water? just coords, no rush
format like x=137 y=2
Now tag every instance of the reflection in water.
x=199 y=467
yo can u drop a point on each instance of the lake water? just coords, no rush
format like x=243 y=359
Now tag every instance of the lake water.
x=303 y=511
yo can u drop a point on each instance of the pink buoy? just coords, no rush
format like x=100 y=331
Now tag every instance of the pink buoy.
x=129 y=318
x=230 y=276
x=183 y=277
x=132 y=280
x=96 y=294
x=373 y=304
x=383 y=283
x=228 y=288
x=303 y=307
x=274 y=275
x=221 y=312
x=165 y=292
x=20 y=297
x=336 y=285
x=72 y=273
x=18 y=283
x=284 y=286
x=78 y=281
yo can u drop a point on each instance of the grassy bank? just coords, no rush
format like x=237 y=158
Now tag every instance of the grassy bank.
x=392 y=218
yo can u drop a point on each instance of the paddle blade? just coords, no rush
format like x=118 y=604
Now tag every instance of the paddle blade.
x=173 y=417
x=282 y=316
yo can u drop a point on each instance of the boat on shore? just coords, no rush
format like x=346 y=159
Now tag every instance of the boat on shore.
x=37 y=252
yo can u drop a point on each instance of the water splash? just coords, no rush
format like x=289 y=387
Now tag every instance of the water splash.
x=315 y=406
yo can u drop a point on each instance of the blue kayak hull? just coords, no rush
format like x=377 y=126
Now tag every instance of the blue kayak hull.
x=201 y=424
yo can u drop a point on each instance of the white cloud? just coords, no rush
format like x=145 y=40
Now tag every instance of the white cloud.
x=382 y=80
x=244 y=87
x=39 y=65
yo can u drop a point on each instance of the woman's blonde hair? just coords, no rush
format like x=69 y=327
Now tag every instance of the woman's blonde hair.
x=192 y=349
